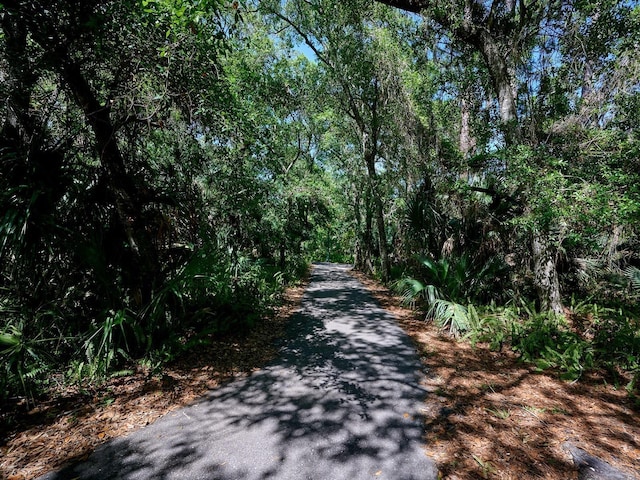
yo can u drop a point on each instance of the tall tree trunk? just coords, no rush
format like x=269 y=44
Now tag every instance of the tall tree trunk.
x=379 y=214
x=503 y=77
x=357 y=247
x=545 y=272
x=368 y=234
x=502 y=72
x=364 y=239
x=361 y=247
x=613 y=243
x=382 y=239
x=467 y=140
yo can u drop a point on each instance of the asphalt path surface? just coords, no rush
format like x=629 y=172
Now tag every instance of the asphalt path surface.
x=341 y=402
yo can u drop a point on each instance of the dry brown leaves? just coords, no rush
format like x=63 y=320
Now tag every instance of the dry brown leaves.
x=71 y=425
x=491 y=416
x=488 y=416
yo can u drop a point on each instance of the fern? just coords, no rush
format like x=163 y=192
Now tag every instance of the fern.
x=24 y=359
x=633 y=274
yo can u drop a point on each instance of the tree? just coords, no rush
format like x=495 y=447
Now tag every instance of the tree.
x=126 y=211
x=503 y=33
x=368 y=91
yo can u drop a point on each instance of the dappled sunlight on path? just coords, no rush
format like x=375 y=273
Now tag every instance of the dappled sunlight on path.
x=342 y=402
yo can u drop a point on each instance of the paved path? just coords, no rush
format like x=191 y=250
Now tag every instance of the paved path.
x=342 y=402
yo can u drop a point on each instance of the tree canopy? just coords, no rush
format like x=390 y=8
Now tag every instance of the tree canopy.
x=167 y=166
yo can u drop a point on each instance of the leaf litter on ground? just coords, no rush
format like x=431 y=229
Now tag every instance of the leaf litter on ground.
x=489 y=415
x=70 y=424
x=462 y=433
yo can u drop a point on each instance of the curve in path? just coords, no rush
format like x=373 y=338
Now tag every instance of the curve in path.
x=342 y=402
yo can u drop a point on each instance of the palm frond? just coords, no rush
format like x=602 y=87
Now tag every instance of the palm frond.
x=409 y=290
x=451 y=316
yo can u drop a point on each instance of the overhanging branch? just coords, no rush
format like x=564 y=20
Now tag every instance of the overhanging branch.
x=414 y=6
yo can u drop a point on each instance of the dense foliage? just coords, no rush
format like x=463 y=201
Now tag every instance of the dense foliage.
x=168 y=165
x=153 y=186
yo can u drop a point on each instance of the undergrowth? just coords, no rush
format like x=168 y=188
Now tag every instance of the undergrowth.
x=594 y=337
x=590 y=336
x=210 y=294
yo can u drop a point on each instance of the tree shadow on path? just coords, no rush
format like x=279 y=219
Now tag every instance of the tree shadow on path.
x=341 y=402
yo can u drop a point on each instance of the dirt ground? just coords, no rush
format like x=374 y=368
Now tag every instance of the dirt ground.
x=69 y=426
x=489 y=416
